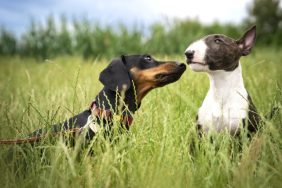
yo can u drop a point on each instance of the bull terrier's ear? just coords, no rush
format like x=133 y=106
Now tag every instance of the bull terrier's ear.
x=116 y=77
x=247 y=41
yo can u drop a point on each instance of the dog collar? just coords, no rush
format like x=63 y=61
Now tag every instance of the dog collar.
x=107 y=115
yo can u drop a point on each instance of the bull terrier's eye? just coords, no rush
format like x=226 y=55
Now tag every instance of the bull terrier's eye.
x=148 y=58
x=218 y=40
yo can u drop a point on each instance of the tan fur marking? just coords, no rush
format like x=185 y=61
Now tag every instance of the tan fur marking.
x=145 y=79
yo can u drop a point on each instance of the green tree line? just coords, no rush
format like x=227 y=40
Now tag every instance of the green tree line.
x=91 y=39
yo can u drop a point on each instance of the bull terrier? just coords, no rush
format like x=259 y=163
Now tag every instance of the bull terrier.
x=227 y=105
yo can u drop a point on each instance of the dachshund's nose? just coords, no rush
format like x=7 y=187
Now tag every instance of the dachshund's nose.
x=189 y=54
x=182 y=65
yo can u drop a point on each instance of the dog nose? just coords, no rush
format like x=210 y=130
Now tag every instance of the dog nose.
x=189 y=54
x=182 y=65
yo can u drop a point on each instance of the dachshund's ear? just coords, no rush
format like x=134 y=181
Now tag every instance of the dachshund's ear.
x=115 y=76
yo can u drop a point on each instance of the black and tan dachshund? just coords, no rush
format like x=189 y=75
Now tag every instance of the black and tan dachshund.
x=126 y=81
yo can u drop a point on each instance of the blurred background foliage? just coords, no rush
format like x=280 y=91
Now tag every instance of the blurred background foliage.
x=90 y=39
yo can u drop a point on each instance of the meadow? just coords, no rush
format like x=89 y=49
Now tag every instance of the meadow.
x=156 y=152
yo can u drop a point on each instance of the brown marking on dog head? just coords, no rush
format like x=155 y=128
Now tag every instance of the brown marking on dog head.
x=161 y=74
x=145 y=72
x=219 y=52
x=222 y=53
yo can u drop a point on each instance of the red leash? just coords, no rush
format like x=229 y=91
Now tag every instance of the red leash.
x=35 y=138
x=98 y=112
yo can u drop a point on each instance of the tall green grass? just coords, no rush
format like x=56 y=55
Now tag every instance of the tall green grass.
x=156 y=152
x=90 y=39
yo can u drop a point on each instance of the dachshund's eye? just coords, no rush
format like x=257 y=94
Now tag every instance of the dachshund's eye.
x=218 y=40
x=148 y=58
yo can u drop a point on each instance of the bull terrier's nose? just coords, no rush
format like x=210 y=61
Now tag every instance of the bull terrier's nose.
x=189 y=54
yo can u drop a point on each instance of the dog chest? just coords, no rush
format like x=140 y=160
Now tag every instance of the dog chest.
x=223 y=112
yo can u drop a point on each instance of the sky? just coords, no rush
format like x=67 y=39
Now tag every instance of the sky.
x=15 y=15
